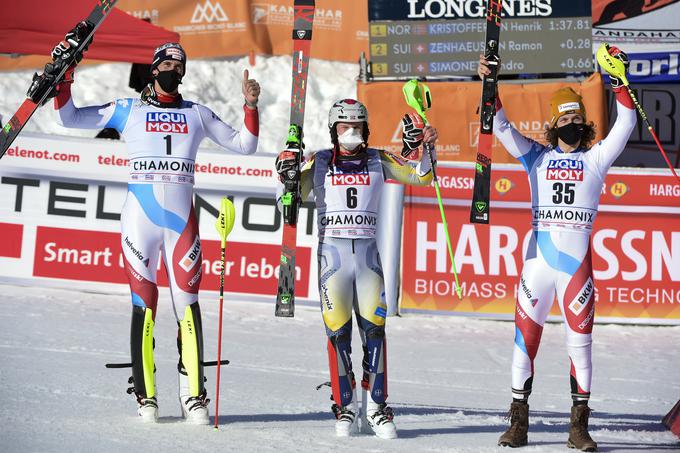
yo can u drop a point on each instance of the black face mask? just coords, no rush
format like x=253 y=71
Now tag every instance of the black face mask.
x=571 y=133
x=169 y=80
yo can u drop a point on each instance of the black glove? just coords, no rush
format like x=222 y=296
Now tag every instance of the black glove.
x=286 y=166
x=412 y=133
x=621 y=55
x=66 y=49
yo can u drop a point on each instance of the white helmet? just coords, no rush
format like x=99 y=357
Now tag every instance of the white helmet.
x=348 y=111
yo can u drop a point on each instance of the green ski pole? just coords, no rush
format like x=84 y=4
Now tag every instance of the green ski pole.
x=418 y=97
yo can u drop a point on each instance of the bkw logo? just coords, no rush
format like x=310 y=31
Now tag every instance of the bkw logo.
x=209 y=12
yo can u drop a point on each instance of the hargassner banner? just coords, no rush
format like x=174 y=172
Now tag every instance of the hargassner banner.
x=635 y=242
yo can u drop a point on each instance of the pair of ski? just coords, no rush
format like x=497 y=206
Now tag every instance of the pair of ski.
x=17 y=122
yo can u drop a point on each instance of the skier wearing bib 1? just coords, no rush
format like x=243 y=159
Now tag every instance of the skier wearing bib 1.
x=346 y=183
x=163 y=132
x=566 y=178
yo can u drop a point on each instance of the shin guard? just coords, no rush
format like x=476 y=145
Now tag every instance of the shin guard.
x=141 y=351
x=377 y=365
x=340 y=364
x=191 y=348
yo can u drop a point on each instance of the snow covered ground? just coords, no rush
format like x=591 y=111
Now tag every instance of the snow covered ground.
x=449 y=381
x=216 y=84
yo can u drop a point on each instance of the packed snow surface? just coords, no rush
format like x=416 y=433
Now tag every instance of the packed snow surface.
x=449 y=381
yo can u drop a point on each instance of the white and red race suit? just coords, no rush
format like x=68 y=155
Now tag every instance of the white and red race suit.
x=565 y=194
x=158 y=213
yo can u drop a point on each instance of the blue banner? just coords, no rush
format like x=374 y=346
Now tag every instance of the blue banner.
x=657 y=67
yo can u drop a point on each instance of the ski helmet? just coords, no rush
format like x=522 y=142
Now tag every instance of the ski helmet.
x=348 y=111
x=169 y=51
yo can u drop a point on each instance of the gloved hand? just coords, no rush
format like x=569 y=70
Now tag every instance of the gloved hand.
x=412 y=126
x=286 y=166
x=621 y=55
x=66 y=48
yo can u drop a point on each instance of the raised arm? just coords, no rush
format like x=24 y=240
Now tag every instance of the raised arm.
x=92 y=117
x=243 y=141
x=610 y=148
x=405 y=172
x=520 y=147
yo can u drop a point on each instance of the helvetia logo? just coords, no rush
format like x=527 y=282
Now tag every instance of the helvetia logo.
x=209 y=12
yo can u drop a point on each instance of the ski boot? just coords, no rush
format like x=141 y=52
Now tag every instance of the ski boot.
x=579 y=438
x=346 y=423
x=376 y=418
x=516 y=435
x=194 y=408
x=147 y=408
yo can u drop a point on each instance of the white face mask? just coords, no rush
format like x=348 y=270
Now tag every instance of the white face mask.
x=350 y=139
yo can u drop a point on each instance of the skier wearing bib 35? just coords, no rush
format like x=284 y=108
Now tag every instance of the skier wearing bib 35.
x=566 y=178
x=346 y=183
x=163 y=132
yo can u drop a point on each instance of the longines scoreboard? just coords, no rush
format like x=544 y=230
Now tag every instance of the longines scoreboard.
x=439 y=38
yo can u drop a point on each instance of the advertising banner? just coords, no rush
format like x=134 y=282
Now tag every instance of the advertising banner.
x=454 y=113
x=661 y=103
x=60 y=204
x=649 y=31
x=636 y=246
x=220 y=28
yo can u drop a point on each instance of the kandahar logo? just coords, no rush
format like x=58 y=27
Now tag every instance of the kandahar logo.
x=209 y=13
x=480 y=206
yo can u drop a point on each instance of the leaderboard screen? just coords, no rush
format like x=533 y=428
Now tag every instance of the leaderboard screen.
x=439 y=38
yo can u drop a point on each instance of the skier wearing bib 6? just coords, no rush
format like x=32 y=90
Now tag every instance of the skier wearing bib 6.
x=162 y=132
x=566 y=178
x=346 y=183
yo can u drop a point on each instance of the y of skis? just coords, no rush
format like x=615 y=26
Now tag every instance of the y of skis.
x=479 y=211
x=30 y=105
x=291 y=199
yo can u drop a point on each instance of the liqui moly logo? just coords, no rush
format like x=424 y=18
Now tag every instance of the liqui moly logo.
x=191 y=257
x=565 y=170
x=351 y=179
x=166 y=122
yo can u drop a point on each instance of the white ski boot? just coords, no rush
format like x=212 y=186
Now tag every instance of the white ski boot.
x=147 y=409
x=377 y=418
x=347 y=423
x=194 y=408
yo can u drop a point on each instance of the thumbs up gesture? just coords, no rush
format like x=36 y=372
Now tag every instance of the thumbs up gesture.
x=251 y=90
